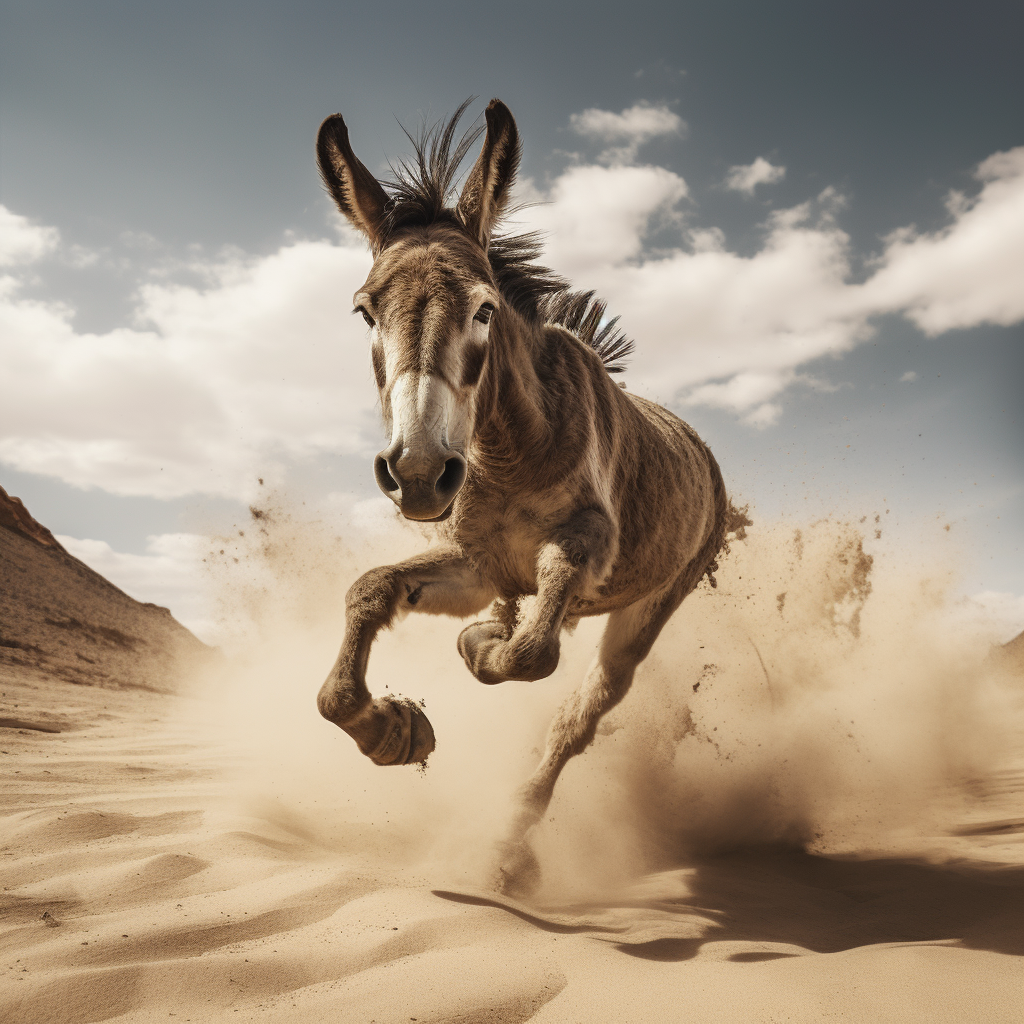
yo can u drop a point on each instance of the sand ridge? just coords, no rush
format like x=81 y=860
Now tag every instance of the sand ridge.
x=61 y=618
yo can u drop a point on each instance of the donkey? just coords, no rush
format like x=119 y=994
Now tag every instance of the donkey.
x=545 y=478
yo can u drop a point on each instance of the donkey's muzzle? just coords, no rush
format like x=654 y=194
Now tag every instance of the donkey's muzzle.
x=420 y=492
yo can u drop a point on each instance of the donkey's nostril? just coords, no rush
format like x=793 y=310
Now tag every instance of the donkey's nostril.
x=385 y=480
x=453 y=477
x=422 y=486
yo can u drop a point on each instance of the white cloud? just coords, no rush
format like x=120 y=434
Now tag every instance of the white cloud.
x=597 y=217
x=746 y=177
x=909 y=377
x=263 y=364
x=626 y=132
x=21 y=241
x=216 y=385
x=730 y=330
x=969 y=273
x=746 y=391
x=704 y=315
x=638 y=122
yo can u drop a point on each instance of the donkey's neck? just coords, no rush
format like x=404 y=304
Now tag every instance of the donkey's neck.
x=512 y=430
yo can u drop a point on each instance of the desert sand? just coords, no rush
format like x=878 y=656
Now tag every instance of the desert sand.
x=811 y=808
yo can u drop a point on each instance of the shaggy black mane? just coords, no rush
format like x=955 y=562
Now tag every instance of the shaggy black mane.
x=422 y=187
x=420 y=193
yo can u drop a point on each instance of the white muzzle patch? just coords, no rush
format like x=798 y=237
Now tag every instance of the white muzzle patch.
x=425 y=417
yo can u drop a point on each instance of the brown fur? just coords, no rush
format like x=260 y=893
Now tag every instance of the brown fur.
x=547 y=479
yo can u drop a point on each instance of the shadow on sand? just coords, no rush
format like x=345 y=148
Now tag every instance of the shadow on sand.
x=787 y=896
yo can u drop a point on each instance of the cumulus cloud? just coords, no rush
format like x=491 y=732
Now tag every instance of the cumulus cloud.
x=596 y=218
x=23 y=242
x=703 y=314
x=747 y=391
x=730 y=330
x=214 y=385
x=261 y=365
x=746 y=177
x=970 y=272
x=626 y=132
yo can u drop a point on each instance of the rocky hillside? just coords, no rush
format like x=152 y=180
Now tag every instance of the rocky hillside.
x=60 y=618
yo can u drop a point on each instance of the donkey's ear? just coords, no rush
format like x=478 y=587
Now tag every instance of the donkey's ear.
x=356 y=191
x=485 y=194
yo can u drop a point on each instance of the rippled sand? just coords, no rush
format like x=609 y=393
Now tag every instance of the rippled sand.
x=134 y=889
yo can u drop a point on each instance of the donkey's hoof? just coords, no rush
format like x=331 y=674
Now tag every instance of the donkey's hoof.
x=518 y=870
x=476 y=642
x=408 y=736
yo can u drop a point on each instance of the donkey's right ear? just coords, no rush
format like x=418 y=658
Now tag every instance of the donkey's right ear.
x=356 y=191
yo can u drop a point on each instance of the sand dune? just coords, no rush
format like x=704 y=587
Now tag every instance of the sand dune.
x=164 y=858
x=161 y=899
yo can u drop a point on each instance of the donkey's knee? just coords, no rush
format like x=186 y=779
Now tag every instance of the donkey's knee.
x=494 y=657
x=371 y=599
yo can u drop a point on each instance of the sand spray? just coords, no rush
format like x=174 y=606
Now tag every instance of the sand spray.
x=830 y=693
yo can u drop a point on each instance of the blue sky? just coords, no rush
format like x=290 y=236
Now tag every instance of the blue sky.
x=807 y=215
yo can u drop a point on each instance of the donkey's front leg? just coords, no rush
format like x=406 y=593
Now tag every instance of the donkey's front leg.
x=389 y=730
x=577 y=554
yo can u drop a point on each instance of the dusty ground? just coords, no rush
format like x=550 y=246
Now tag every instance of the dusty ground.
x=199 y=856
x=135 y=890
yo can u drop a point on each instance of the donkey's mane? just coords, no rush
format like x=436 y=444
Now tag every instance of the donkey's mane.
x=419 y=195
x=582 y=313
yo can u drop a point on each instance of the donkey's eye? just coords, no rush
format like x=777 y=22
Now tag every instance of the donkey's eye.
x=370 y=322
x=483 y=314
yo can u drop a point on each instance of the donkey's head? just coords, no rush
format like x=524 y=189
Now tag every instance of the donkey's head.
x=428 y=301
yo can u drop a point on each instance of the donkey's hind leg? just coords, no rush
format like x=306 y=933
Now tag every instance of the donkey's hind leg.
x=627 y=640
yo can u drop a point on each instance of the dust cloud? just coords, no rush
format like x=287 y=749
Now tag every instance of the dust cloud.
x=822 y=697
x=829 y=694
x=279 y=586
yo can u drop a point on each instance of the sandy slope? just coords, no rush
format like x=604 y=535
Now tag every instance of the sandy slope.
x=135 y=889
x=59 y=616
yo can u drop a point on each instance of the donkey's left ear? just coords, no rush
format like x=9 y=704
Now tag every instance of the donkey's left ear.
x=486 y=192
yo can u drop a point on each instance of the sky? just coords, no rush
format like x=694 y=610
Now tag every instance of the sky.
x=810 y=218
